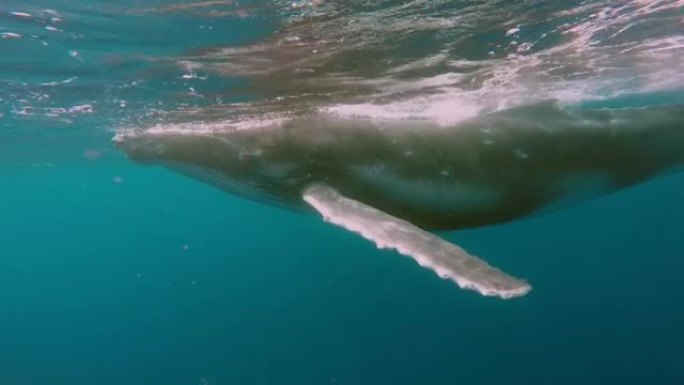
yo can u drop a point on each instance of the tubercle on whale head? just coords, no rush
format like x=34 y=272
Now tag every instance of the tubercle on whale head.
x=137 y=147
x=170 y=148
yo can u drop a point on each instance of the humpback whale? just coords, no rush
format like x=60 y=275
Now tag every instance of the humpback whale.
x=392 y=181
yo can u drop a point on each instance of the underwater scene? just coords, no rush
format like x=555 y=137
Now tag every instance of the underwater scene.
x=341 y=192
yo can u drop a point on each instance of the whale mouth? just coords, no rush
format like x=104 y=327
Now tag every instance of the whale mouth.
x=167 y=147
x=140 y=148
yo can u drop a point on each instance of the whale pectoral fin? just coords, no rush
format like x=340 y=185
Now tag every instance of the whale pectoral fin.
x=447 y=260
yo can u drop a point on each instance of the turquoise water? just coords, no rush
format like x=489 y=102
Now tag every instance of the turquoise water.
x=116 y=273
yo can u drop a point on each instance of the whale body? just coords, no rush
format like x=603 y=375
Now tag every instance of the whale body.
x=393 y=180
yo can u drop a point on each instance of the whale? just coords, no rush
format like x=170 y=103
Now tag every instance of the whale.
x=395 y=182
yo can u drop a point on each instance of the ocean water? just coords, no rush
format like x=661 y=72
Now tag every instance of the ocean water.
x=116 y=273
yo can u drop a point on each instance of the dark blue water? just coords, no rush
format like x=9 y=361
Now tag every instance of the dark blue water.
x=115 y=273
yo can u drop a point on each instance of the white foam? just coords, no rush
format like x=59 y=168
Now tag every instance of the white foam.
x=10 y=35
x=512 y=31
x=21 y=14
x=593 y=57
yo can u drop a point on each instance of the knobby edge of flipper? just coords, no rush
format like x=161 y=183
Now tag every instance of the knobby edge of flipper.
x=428 y=250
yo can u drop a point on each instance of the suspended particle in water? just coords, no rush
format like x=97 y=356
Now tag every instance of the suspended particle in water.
x=76 y=55
x=117 y=179
x=91 y=154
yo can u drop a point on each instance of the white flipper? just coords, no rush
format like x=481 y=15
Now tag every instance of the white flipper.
x=446 y=259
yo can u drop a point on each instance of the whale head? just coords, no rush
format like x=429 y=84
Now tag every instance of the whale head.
x=233 y=162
